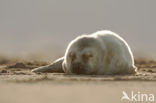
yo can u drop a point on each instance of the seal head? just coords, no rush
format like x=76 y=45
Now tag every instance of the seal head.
x=81 y=56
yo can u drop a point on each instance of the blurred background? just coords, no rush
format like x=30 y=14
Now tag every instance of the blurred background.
x=42 y=29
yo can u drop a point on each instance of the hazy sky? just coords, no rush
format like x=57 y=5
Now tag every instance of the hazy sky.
x=35 y=25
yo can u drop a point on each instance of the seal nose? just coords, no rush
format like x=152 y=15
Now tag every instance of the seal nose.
x=77 y=68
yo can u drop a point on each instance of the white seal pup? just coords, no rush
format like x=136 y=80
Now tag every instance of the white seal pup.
x=103 y=52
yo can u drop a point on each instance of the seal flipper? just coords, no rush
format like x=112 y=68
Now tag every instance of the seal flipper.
x=56 y=66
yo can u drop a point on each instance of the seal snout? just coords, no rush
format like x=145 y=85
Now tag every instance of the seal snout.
x=77 y=68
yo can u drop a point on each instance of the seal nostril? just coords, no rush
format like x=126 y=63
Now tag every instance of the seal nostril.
x=77 y=68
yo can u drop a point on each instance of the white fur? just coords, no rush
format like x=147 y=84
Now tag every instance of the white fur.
x=111 y=55
x=117 y=53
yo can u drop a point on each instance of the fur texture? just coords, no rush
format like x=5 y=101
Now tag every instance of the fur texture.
x=103 y=52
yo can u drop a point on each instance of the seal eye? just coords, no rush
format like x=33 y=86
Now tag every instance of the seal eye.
x=72 y=56
x=85 y=57
x=90 y=55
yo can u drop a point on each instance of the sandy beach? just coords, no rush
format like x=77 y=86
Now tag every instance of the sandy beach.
x=19 y=85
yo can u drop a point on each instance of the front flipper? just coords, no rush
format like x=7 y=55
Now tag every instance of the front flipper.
x=56 y=66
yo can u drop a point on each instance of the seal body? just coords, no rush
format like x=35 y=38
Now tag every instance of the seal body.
x=103 y=52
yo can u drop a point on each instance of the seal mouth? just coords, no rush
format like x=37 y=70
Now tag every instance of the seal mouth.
x=78 y=71
x=78 y=68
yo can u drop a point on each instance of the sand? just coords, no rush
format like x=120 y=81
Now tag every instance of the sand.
x=19 y=85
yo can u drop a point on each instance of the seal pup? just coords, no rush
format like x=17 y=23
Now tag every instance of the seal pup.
x=100 y=53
